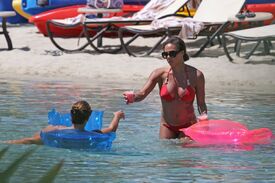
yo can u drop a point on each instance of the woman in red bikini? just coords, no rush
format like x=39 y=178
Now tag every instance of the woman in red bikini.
x=178 y=84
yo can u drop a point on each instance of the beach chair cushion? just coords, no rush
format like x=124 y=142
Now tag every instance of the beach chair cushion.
x=210 y=13
x=263 y=34
x=216 y=11
x=257 y=33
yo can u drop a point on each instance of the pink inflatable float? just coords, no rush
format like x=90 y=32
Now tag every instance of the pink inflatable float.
x=226 y=132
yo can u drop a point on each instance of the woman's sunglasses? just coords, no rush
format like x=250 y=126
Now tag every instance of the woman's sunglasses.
x=171 y=54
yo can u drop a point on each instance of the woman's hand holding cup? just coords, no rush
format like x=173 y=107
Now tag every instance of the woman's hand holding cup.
x=129 y=97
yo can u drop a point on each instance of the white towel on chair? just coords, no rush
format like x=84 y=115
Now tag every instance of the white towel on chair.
x=152 y=9
x=190 y=28
x=70 y=21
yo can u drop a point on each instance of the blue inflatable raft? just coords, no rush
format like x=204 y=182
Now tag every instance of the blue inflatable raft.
x=75 y=139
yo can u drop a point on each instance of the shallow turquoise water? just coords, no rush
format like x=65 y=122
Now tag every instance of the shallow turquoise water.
x=137 y=154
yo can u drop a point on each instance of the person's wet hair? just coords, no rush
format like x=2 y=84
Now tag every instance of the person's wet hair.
x=80 y=112
x=179 y=43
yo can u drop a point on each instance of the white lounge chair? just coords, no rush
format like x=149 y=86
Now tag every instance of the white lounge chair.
x=264 y=34
x=103 y=25
x=210 y=12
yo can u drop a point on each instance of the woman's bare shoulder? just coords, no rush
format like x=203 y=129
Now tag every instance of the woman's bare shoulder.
x=159 y=73
x=194 y=70
x=199 y=74
x=161 y=70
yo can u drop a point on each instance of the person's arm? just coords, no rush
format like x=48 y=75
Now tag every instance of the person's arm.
x=35 y=139
x=114 y=123
x=147 y=88
x=29 y=140
x=200 y=94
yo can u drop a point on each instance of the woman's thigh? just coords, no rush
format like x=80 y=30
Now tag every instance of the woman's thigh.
x=166 y=133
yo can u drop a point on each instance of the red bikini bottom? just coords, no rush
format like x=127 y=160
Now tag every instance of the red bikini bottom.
x=176 y=129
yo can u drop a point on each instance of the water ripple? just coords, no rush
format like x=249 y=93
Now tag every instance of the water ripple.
x=137 y=155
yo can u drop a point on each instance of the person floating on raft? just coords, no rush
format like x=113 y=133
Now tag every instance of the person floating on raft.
x=80 y=113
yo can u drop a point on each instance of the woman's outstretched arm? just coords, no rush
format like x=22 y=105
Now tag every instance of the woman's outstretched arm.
x=146 y=89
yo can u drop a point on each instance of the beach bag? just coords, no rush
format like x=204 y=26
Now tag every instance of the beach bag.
x=111 y=4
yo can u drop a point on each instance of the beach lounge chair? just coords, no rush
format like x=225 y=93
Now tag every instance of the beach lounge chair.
x=264 y=34
x=213 y=14
x=154 y=9
x=4 y=15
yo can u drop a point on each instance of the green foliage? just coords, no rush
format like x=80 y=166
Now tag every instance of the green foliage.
x=2 y=152
x=5 y=176
x=48 y=177
x=52 y=173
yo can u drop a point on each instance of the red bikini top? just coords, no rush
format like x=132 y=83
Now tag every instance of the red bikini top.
x=189 y=92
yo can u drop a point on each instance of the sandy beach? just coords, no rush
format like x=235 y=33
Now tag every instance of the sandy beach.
x=34 y=56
